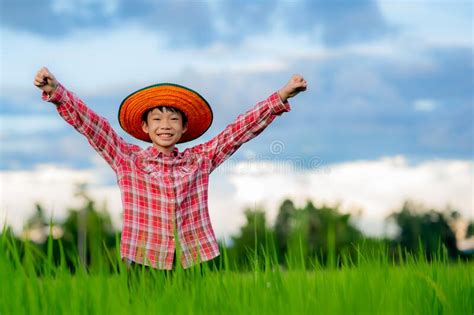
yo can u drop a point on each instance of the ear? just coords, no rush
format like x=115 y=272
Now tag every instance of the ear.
x=145 y=127
x=185 y=129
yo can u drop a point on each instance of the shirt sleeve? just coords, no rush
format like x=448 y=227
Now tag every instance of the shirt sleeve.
x=246 y=127
x=95 y=128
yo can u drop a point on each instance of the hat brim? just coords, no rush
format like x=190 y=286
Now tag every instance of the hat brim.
x=192 y=104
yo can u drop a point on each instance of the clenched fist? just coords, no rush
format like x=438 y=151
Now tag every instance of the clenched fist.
x=296 y=84
x=46 y=81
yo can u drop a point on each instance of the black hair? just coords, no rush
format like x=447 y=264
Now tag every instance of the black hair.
x=165 y=108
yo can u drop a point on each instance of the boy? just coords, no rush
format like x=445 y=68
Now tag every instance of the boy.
x=164 y=190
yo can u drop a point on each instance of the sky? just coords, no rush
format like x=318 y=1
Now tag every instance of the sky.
x=388 y=114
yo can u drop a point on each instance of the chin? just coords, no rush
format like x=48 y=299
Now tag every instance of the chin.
x=166 y=144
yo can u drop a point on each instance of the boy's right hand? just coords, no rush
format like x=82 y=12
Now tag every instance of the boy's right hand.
x=46 y=81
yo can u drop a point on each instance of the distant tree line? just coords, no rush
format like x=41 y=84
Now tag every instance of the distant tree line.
x=325 y=236
x=299 y=237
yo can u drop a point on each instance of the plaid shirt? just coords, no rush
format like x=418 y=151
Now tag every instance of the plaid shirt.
x=165 y=193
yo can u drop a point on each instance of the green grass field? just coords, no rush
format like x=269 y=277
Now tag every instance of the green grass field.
x=372 y=285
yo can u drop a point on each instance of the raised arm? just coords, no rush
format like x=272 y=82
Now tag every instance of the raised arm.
x=95 y=128
x=247 y=126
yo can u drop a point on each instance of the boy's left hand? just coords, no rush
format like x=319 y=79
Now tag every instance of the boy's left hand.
x=296 y=84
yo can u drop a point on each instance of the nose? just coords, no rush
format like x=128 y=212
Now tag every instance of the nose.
x=164 y=124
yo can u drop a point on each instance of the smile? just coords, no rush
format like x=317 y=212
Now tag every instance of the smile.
x=165 y=135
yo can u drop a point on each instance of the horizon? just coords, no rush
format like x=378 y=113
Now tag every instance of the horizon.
x=389 y=101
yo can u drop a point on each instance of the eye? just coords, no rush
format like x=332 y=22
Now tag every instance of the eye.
x=156 y=119
x=175 y=118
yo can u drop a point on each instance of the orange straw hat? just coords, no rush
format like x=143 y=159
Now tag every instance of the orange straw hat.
x=194 y=106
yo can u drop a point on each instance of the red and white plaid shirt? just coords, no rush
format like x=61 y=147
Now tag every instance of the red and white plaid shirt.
x=160 y=192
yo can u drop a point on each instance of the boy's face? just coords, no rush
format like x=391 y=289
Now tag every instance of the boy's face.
x=165 y=128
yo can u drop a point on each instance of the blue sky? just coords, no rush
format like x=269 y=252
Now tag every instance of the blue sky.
x=386 y=78
x=367 y=69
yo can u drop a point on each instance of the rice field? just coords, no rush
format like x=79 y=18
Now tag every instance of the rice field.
x=371 y=285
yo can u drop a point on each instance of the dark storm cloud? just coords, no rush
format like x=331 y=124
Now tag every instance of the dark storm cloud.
x=41 y=18
x=200 y=23
x=243 y=18
x=340 y=21
x=183 y=22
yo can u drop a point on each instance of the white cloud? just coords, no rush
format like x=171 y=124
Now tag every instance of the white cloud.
x=377 y=187
x=84 y=8
x=49 y=185
x=437 y=23
x=116 y=61
x=15 y=124
x=102 y=62
x=54 y=188
x=425 y=105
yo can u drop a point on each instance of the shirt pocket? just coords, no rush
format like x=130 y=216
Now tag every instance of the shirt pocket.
x=149 y=167
x=189 y=167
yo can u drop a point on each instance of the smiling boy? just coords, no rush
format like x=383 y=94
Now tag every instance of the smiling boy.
x=165 y=190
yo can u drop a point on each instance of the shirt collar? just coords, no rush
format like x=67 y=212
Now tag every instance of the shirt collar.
x=152 y=151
